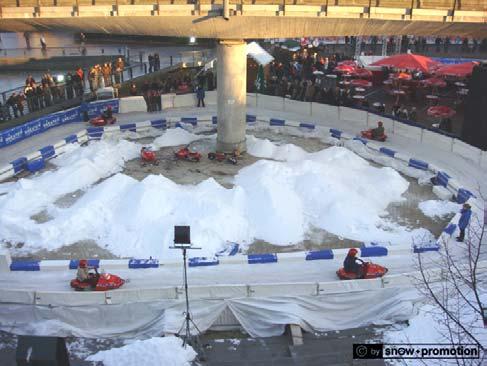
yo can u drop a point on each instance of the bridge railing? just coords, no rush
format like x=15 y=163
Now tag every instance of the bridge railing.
x=412 y=4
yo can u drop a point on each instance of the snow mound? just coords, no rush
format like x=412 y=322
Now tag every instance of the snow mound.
x=175 y=137
x=266 y=149
x=157 y=351
x=278 y=202
x=438 y=208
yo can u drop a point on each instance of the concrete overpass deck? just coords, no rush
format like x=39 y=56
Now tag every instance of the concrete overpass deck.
x=249 y=18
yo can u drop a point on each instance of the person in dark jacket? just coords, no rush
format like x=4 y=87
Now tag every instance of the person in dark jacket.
x=353 y=264
x=200 y=94
x=464 y=221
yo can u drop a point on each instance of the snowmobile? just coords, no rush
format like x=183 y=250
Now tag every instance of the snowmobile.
x=368 y=135
x=185 y=154
x=147 y=156
x=219 y=156
x=104 y=282
x=102 y=121
x=371 y=270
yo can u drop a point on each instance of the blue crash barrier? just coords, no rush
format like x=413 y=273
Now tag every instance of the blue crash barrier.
x=159 y=123
x=214 y=120
x=429 y=248
x=387 y=151
x=95 y=132
x=47 y=152
x=203 y=261
x=36 y=165
x=374 y=251
x=261 y=258
x=277 y=122
x=418 y=164
x=73 y=263
x=309 y=126
x=144 y=263
x=442 y=179
x=192 y=120
x=361 y=139
x=319 y=254
x=463 y=195
x=450 y=229
x=25 y=266
x=335 y=133
x=250 y=118
x=71 y=139
x=95 y=109
x=19 y=164
x=128 y=127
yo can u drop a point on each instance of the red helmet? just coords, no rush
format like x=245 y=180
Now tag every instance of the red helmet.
x=353 y=252
x=83 y=263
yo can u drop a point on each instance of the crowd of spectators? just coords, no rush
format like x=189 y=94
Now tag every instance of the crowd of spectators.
x=40 y=94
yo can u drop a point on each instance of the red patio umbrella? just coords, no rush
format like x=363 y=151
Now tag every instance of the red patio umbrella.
x=361 y=83
x=458 y=70
x=441 y=111
x=434 y=82
x=344 y=68
x=408 y=61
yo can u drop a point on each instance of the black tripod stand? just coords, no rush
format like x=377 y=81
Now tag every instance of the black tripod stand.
x=188 y=338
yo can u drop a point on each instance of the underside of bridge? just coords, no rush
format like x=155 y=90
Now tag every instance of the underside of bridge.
x=244 y=27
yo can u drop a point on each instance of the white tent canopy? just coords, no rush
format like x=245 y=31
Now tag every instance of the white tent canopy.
x=261 y=56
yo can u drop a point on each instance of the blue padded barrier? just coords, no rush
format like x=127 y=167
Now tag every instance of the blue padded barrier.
x=335 y=133
x=143 y=263
x=73 y=263
x=19 y=164
x=429 y=248
x=463 y=195
x=230 y=250
x=442 y=179
x=309 y=126
x=71 y=139
x=203 y=262
x=361 y=139
x=319 y=254
x=128 y=127
x=95 y=132
x=192 y=120
x=261 y=258
x=277 y=122
x=36 y=165
x=388 y=152
x=214 y=120
x=250 y=118
x=25 y=266
x=418 y=164
x=450 y=229
x=47 y=152
x=178 y=125
x=159 y=123
x=374 y=251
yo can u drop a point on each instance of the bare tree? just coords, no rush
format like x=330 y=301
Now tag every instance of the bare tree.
x=453 y=281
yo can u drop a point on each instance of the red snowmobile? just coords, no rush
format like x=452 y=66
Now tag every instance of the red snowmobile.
x=219 y=156
x=371 y=270
x=104 y=282
x=368 y=135
x=185 y=154
x=147 y=156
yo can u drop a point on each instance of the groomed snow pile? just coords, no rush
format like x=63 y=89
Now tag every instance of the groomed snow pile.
x=278 y=202
x=175 y=137
x=263 y=148
x=439 y=208
x=157 y=351
x=79 y=169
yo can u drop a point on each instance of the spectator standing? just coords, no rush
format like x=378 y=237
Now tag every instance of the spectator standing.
x=157 y=62
x=107 y=73
x=133 y=89
x=69 y=85
x=43 y=45
x=151 y=63
x=12 y=103
x=20 y=103
x=200 y=94
x=466 y=214
x=119 y=67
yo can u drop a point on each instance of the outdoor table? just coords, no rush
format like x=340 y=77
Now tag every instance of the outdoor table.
x=347 y=75
x=331 y=76
x=387 y=82
x=398 y=92
x=344 y=83
x=377 y=104
x=359 y=97
x=360 y=90
x=432 y=99
x=463 y=91
x=460 y=84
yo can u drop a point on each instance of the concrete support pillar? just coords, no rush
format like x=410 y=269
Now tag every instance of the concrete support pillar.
x=232 y=94
x=5 y=260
